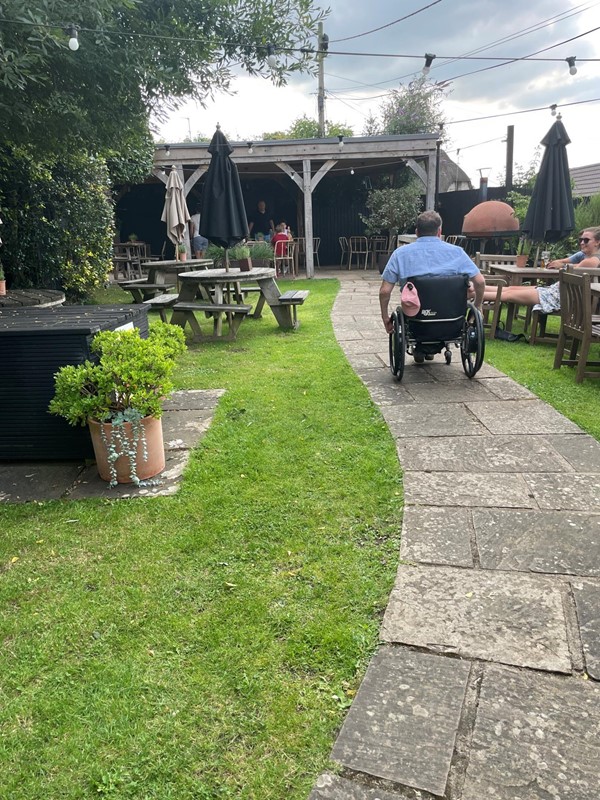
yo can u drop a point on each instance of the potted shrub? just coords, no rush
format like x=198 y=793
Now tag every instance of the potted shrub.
x=133 y=237
x=2 y=281
x=120 y=397
x=262 y=254
x=182 y=251
x=239 y=257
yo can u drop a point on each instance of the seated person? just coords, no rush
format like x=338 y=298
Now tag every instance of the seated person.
x=547 y=298
x=199 y=243
x=428 y=255
x=260 y=221
x=278 y=240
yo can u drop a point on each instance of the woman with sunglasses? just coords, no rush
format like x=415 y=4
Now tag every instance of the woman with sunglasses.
x=547 y=298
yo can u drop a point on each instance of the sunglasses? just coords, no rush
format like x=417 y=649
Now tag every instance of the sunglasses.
x=584 y=240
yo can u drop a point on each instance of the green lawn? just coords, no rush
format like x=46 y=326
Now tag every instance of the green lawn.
x=533 y=367
x=207 y=645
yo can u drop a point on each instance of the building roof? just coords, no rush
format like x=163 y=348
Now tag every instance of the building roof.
x=586 y=180
x=451 y=175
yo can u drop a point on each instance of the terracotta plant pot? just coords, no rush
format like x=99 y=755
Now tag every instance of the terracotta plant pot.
x=522 y=260
x=183 y=256
x=144 y=468
x=2 y=287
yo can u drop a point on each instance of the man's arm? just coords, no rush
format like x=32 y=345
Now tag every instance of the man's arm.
x=385 y=294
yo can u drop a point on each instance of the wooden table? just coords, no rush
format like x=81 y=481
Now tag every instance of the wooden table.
x=162 y=275
x=217 y=287
x=516 y=276
x=23 y=298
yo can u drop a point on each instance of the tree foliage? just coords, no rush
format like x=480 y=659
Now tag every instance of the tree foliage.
x=415 y=108
x=133 y=58
x=393 y=210
x=306 y=128
x=58 y=221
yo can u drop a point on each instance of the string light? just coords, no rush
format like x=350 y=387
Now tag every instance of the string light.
x=428 y=62
x=250 y=148
x=271 y=60
x=167 y=150
x=571 y=62
x=340 y=142
x=71 y=31
x=553 y=109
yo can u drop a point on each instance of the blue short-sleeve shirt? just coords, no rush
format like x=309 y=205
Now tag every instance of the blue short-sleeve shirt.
x=428 y=255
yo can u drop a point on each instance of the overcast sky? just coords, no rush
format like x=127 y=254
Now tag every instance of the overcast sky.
x=447 y=28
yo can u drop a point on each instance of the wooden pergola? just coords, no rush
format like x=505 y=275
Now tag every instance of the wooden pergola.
x=307 y=161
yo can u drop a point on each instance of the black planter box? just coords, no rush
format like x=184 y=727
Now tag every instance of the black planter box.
x=34 y=344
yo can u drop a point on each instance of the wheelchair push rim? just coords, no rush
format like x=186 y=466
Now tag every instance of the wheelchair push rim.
x=397 y=344
x=472 y=345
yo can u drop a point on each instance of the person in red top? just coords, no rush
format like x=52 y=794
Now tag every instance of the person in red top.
x=280 y=237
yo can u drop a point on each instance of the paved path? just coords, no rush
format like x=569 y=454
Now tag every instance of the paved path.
x=485 y=684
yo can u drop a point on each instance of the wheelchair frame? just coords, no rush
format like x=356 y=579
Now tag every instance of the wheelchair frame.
x=471 y=341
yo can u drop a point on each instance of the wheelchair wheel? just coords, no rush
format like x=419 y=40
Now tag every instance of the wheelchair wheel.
x=472 y=346
x=397 y=345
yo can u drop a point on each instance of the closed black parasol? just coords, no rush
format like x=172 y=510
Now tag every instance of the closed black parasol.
x=550 y=214
x=223 y=219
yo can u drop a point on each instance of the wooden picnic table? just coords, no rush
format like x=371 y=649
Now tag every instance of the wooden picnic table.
x=23 y=298
x=222 y=298
x=516 y=276
x=162 y=276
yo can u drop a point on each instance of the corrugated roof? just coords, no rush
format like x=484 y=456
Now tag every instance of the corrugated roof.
x=586 y=180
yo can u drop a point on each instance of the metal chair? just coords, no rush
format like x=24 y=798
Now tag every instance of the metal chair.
x=316 y=245
x=379 y=247
x=577 y=326
x=344 y=248
x=358 y=246
x=285 y=262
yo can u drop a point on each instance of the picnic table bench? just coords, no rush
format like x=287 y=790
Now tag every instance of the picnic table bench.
x=235 y=313
x=286 y=305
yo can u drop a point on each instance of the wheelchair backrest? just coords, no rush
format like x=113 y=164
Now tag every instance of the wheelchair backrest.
x=443 y=301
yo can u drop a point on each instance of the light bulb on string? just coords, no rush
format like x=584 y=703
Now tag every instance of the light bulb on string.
x=571 y=62
x=71 y=32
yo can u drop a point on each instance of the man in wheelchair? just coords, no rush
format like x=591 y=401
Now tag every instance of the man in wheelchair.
x=444 y=277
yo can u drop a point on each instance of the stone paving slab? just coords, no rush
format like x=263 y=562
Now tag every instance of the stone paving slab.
x=480 y=454
x=506 y=388
x=455 y=372
x=582 y=452
x=562 y=542
x=522 y=416
x=25 y=481
x=421 y=419
x=567 y=492
x=167 y=483
x=403 y=722
x=437 y=536
x=183 y=429
x=469 y=490
x=587 y=598
x=193 y=400
x=451 y=392
x=367 y=361
x=336 y=787
x=535 y=738
x=510 y=618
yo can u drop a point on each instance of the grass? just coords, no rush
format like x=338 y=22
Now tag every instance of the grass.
x=207 y=645
x=533 y=367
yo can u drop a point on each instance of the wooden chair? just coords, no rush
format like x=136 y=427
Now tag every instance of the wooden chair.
x=344 y=248
x=491 y=309
x=285 y=263
x=358 y=246
x=578 y=327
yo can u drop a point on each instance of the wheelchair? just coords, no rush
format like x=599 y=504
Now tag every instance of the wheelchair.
x=445 y=318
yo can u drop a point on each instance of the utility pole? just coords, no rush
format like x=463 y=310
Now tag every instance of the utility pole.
x=321 y=52
x=510 y=144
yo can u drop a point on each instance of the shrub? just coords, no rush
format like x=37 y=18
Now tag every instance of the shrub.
x=58 y=221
